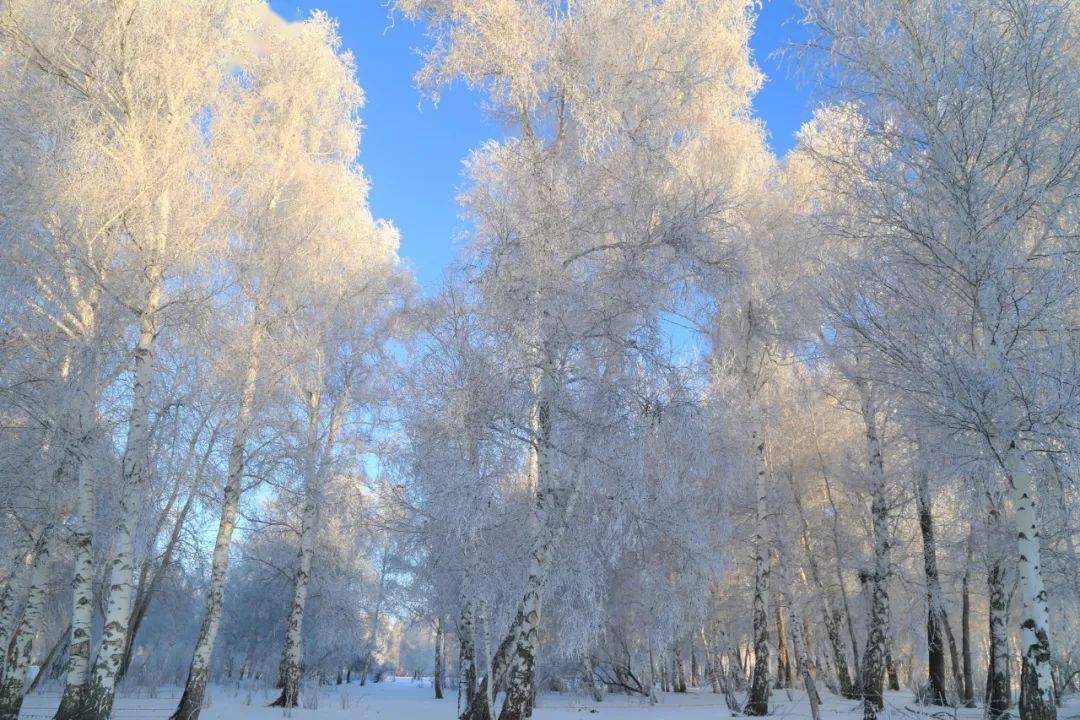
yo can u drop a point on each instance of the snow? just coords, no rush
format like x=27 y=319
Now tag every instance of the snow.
x=407 y=699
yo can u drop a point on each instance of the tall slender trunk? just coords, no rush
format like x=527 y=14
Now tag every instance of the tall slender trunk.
x=803 y=659
x=679 y=668
x=801 y=655
x=83 y=387
x=9 y=602
x=14 y=587
x=835 y=527
x=492 y=667
x=998 y=677
x=968 y=694
x=437 y=675
x=198 y=674
x=553 y=507
x=17 y=658
x=82 y=610
x=783 y=661
x=486 y=696
x=466 y=659
x=1036 y=682
x=101 y=689
x=711 y=668
x=873 y=662
x=830 y=616
x=146 y=589
x=935 y=645
x=891 y=671
x=291 y=653
x=757 y=701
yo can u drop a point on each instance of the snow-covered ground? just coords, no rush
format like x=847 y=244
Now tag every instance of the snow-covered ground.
x=406 y=699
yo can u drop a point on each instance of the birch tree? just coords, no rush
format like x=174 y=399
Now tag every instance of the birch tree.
x=952 y=97
x=574 y=125
x=283 y=168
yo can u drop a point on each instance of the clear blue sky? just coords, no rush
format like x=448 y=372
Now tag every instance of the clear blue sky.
x=413 y=151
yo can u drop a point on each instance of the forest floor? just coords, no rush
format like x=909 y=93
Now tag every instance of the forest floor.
x=406 y=699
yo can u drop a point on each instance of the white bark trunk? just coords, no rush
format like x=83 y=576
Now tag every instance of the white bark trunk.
x=488 y=706
x=102 y=689
x=801 y=655
x=873 y=660
x=82 y=587
x=292 y=651
x=83 y=384
x=14 y=588
x=199 y=672
x=17 y=658
x=437 y=677
x=998 y=677
x=1036 y=683
x=466 y=659
x=757 y=701
x=830 y=616
x=553 y=508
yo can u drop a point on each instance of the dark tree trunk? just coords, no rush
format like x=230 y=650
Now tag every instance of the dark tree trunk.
x=935 y=641
x=679 y=671
x=998 y=676
x=968 y=694
x=783 y=659
x=437 y=679
x=890 y=666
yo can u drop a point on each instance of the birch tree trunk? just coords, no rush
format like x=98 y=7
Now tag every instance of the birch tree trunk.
x=438 y=672
x=83 y=385
x=998 y=677
x=148 y=590
x=693 y=664
x=935 y=645
x=679 y=669
x=873 y=661
x=968 y=695
x=553 y=507
x=485 y=698
x=195 y=688
x=17 y=657
x=136 y=469
x=801 y=655
x=830 y=616
x=847 y=616
x=1036 y=682
x=82 y=609
x=711 y=673
x=9 y=600
x=466 y=659
x=783 y=661
x=292 y=651
x=757 y=701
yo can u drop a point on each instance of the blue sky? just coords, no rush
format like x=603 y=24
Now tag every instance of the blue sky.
x=413 y=151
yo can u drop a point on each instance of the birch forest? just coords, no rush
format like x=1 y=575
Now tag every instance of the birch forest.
x=688 y=429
